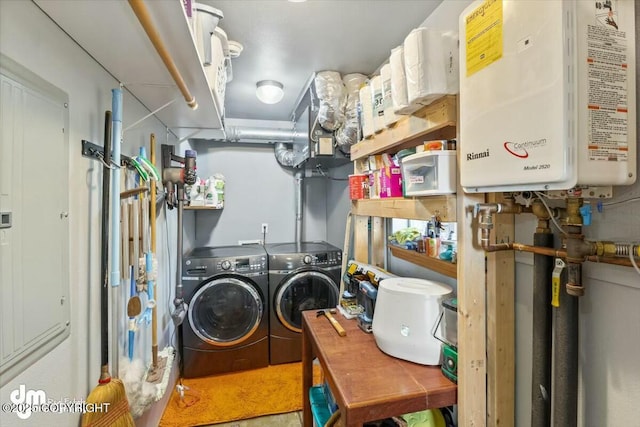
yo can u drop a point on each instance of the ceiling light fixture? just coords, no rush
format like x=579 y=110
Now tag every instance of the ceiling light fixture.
x=269 y=91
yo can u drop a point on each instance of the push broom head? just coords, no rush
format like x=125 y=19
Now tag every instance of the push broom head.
x=109 y=401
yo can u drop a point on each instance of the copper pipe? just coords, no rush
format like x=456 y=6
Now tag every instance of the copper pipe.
x=581 y=250
x=615 y=261
x=142 y=13
x=558 y=253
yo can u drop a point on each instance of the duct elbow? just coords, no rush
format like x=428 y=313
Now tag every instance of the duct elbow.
x=284 y=155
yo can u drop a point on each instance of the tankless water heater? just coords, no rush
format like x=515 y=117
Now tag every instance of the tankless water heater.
x=547 y=94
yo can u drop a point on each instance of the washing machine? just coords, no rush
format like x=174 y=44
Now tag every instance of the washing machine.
x=302 y=276
x=227 y=325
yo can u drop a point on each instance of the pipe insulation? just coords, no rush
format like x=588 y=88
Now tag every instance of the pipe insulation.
x=541 y=336
x=565 y=353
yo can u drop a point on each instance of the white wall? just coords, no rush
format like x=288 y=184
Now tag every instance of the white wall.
x=71 y=370
x=257 y=190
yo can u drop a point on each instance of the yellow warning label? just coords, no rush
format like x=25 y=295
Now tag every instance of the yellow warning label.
x=483 y=29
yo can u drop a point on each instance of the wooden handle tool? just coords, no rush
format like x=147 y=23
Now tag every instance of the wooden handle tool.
x=337 y=326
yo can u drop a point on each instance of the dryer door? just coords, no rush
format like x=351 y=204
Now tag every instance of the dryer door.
x=304 y=290
x=225 y=311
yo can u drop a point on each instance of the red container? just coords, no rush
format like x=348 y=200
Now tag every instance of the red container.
x=358 y=186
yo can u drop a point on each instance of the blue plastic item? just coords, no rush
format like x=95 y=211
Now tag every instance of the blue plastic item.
x=319 y=408
x=585 y=211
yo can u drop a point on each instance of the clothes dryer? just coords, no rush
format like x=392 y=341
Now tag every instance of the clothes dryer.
x=227 y=326
x=302 y=276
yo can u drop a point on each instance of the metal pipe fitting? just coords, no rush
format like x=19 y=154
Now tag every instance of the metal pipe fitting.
x=578 y=248
x=574 y=217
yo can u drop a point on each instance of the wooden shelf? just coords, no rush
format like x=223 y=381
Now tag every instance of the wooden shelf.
x=437 y=265
x=435 y=121
x=421 y=208
x=98 y=26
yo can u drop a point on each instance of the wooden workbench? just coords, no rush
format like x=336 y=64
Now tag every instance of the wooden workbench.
x=367 y=384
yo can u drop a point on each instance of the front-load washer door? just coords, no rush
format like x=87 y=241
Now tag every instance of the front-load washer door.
x=304 y=290
x=225 y=311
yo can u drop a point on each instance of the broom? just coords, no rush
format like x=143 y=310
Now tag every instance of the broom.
x=109 y=396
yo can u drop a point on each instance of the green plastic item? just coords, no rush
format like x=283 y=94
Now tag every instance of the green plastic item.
x=449 y=365
x=144 y=176
x=427 y=418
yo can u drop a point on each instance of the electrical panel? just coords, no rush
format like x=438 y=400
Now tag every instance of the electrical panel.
x=34 y=206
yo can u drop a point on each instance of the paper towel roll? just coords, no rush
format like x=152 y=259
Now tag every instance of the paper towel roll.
x=390 y=118
x=366 y=110
x=398 y=81
x=378 y=104
x=424 y=66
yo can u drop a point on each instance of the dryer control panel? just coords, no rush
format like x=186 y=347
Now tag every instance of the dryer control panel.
x=322 y=259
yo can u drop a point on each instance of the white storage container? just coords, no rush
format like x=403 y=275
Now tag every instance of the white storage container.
x=206 y=20
x=429 y=173
x=219 y=69
x=213 y=47
x=406 y=314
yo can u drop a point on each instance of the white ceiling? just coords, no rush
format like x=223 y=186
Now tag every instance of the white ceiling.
x=288 y=41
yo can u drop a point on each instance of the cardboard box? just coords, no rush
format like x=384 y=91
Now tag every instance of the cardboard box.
x=390 y=182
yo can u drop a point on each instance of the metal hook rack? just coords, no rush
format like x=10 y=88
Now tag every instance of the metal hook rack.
x=94 y=151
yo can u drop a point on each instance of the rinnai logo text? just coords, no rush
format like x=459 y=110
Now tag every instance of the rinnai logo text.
x=521 y=149
x=475 y=156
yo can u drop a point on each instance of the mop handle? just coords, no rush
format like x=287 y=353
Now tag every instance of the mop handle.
x=116 y=135
x=104 y=268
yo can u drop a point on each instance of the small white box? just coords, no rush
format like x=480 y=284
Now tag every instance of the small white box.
x=429 y=173
x=405 y=317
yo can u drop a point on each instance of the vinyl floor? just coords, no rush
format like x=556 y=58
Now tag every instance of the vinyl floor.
x=291 y=419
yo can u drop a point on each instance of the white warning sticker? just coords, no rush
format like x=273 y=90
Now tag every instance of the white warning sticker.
x=607 y=61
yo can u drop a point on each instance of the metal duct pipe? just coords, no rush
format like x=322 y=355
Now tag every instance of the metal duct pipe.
x=239 y=134
x=299 y=177
x=541 y=340
x=284 y=155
